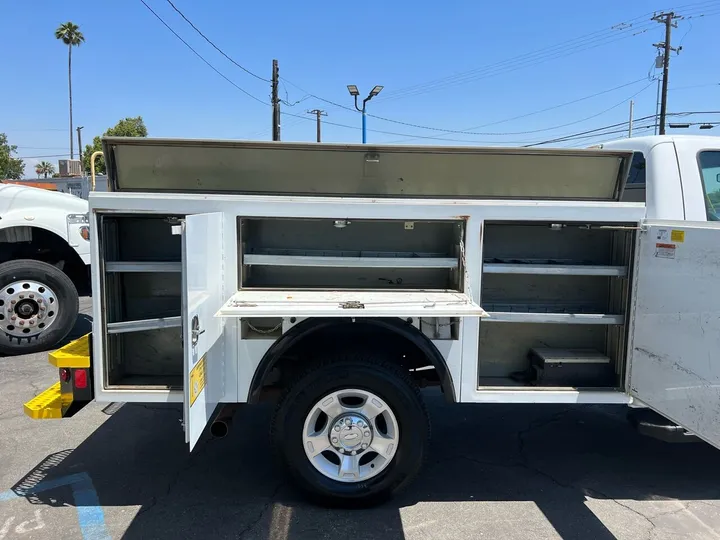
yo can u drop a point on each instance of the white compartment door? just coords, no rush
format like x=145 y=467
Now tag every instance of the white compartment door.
x=298 y=303
x=675 y=333
x=203 y=342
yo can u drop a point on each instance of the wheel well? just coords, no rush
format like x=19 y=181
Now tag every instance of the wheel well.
x=42 y=245
x=298 y=348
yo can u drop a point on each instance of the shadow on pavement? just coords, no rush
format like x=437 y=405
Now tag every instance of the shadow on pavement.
x=83 y=325
x=551 y=456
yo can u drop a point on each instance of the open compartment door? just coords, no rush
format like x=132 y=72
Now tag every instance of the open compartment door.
x=351 y=303
x=202 y=331
x=675 y=354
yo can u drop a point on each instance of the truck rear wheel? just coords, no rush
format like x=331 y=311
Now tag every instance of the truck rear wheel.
x=353 y=431
x=38 y=306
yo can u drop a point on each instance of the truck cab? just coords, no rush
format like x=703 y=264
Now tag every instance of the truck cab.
x=44 y=266
x=676 y=176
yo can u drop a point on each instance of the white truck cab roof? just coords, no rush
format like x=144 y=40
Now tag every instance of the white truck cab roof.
x=677 y=176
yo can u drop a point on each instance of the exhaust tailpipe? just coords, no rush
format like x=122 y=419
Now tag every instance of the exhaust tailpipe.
x=219 y=428
x=220 y=425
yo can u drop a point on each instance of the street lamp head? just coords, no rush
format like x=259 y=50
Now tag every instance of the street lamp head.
x=375 y=91
x=353 y=90
x=679 y=126
x=707 y=126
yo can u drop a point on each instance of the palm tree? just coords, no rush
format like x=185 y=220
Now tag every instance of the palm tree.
x=71 y=36
x=45 y=168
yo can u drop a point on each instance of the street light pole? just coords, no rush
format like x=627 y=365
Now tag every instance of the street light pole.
x=364 y=125
x=356 y=93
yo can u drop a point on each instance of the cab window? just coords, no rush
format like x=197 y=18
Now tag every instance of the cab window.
x=635 y=185
x=710 y=170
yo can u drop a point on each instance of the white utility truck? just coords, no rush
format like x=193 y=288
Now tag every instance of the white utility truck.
x=44 y=262
x=336 y=280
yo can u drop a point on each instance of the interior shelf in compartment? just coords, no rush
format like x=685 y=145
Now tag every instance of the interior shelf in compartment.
x=359 y=254
x=356 y=262
x=556 y=269
x=554 y=318
x=155 y=267
x=143 y=325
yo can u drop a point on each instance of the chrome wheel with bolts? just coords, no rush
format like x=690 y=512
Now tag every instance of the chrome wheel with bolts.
x=38 y=306
x=27 y=308
x=351 y=435
x=352 y=430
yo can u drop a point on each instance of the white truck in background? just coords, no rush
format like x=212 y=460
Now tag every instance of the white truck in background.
x=337 y=280
x=44 y=266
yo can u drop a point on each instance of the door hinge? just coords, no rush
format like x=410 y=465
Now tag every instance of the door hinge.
x=352 y=304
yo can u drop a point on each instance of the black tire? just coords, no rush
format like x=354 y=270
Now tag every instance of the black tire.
x=66 y=311
x=359 y=370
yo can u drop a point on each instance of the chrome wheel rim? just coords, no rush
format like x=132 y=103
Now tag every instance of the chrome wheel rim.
x=350 y=435
x=27 y=308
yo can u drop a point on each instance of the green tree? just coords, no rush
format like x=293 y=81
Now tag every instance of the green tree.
x=45 y=168
x=10 y=167
x=127 y=127
x=70 y=34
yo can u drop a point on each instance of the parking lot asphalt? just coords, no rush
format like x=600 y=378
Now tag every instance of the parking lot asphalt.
x=494 y=472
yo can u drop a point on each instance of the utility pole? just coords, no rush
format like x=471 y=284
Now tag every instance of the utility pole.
x=630 y=123
x=318 y=113
x=80 y=145
x=666 y=19
x=275 y=101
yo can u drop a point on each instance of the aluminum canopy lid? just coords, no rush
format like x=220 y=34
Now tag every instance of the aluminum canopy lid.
x=274 y=168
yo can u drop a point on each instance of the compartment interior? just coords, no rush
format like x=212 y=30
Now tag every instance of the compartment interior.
x=350 y=254
x=151 y=359
x=143 y=302
x=557 y=295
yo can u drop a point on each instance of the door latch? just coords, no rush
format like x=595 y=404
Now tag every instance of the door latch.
x=195 y=330
x=352 y=304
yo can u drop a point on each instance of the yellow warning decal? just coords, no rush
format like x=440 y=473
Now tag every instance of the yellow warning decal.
x=198 y=379
x=677 y=236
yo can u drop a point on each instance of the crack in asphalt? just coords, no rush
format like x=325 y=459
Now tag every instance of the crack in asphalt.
x=524 y=463
x=264 y=509
x=193 y=460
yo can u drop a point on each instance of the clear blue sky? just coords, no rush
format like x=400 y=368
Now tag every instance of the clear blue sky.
x=132 y=65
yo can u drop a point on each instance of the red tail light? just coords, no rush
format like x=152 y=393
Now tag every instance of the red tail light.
x=81 y=380
x=65 y=375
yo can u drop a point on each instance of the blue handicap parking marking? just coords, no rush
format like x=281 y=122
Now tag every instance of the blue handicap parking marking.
x=90 y=514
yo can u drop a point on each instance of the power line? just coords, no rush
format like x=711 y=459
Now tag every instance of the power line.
x=585 y=42
x=201 y=57
x=596 y=130
x=309 y=119
x=555 y=107
x=46 y=156
x=218 y=49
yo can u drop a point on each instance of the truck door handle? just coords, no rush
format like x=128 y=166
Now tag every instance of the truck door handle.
x=195 y=331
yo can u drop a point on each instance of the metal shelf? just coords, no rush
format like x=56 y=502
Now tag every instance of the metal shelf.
x=349 y=262
x=555 y=318
x=556 y=269
x=118 y=266
x=143 y=325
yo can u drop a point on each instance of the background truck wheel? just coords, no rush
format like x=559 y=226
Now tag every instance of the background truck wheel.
x=352 y=431
x=38 y=306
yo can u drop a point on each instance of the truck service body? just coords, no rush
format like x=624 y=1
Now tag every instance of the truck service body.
x=337 y=279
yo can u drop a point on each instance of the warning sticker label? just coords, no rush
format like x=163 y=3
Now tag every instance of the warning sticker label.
x=677 y=236
x=665 y=251
x=198 y=379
